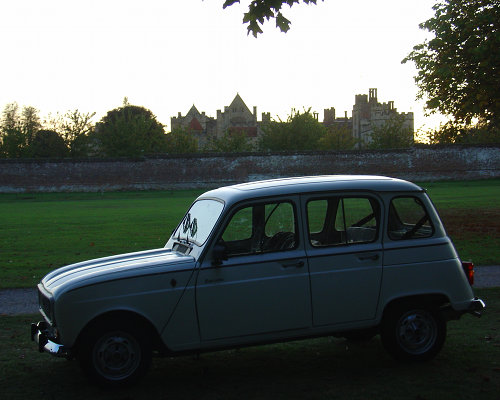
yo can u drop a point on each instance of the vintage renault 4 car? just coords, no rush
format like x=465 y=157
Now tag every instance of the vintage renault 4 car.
x=262 y=262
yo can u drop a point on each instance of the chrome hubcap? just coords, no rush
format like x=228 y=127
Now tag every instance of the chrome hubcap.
x=416 y=332
x=117 y=355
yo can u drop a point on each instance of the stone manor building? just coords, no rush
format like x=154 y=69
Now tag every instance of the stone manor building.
x=367 y=112
x=235 y=118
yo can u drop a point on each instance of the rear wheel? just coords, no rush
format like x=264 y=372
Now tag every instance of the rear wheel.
x=115 y=354
x=413 y=332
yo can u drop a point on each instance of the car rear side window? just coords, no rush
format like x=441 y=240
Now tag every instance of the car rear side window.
x=408 y=219
x=337 y=221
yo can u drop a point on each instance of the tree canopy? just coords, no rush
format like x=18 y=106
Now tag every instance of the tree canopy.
x=130 y=131
x=338 y=138
x=18 y=129
x=76 y=128
x=179 y=141
x=393 y=134
x=301 y=131
x=48 y=144
x=236 y=142
x=459 y=69
x=261 y=10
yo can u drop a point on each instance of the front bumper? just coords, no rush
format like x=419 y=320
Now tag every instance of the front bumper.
x=39 y=334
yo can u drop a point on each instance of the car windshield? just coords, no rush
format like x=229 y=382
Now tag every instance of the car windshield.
x=199 y=221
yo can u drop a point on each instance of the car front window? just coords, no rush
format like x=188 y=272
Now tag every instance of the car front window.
x=199 y=221
x=261 y=228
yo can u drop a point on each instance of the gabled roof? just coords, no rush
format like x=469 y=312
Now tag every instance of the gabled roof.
x=238 y=103
x=193 y=111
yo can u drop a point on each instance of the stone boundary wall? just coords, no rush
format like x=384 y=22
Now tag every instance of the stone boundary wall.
x=426 y=163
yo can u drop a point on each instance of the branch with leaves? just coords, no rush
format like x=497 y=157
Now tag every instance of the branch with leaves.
x=459 y=69
x=261 y=10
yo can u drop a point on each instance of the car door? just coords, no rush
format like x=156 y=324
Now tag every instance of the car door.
x=263 y=285
x=344 y=250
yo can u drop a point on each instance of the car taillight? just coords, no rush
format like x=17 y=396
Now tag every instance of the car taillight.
x=469 y=271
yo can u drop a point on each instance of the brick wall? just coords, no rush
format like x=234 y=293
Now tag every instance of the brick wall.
x=208 y=170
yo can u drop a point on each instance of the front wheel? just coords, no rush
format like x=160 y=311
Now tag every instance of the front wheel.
x=114 y=355
x=413 y=332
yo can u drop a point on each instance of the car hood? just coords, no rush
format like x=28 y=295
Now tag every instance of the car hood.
x=115 y=267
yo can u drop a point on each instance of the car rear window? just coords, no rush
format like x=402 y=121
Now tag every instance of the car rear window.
x=408 y=219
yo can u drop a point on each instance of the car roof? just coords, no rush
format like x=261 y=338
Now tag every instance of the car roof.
x=309 y=184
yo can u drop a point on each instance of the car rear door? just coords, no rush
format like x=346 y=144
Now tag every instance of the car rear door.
x=344 y=251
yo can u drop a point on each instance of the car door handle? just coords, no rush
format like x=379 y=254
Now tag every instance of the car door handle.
x=365 y=257
x=295 y=264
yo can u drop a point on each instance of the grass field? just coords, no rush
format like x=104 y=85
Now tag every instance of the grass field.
x=43 y=231
x=470 y=211
x=467 y=368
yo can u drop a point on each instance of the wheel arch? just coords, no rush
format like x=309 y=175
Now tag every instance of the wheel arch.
x=120 y=317
x=436 y=300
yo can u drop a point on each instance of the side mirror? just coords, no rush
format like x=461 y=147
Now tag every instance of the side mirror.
x=219 y=253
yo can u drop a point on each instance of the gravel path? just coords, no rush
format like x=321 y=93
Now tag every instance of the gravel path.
x=25 y=301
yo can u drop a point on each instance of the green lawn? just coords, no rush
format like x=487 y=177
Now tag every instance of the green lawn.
x=43 y=231
x=40 y=232
x=464 y=194
x=471 y=214
x=468 y=367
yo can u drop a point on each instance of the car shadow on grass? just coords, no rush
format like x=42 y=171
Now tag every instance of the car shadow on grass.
x=318 y=368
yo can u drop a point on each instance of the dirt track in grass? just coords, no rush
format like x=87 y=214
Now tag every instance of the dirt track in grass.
x=460 y=223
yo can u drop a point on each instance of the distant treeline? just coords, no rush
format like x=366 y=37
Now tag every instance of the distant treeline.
x=131 y=131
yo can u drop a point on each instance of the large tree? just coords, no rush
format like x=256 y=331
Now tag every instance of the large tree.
x=301 y=131
x=48 y=144
x=394 y=133
x=459 y=69
x=76 y=128
x=338 y=138
x=451 y=133
x=30 y=121
x=180 y=141
x=230 y=142
x=18 y=129
x=130 y=131
x=261 y=10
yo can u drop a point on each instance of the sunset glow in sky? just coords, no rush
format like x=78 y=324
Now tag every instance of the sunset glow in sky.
x=166 y=55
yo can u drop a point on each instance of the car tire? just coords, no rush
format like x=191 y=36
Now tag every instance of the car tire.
x=413 y=333
x=115 y=354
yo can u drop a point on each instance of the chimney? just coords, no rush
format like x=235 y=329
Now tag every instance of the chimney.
x=329 y=115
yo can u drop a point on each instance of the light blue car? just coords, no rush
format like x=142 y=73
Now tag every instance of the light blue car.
x=262 y=262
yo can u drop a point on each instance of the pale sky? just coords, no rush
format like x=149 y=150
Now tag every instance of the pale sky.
x=166 y=55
